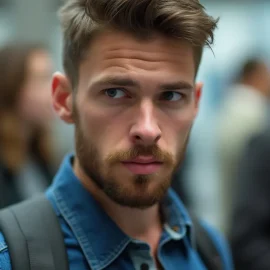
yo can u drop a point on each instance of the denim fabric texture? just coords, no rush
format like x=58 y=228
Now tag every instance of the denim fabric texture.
x=95 y=242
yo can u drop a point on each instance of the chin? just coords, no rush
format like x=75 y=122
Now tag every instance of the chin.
x=141 y=194
x=138 y=202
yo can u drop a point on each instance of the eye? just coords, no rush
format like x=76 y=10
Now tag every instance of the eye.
x=171 y=96
x=115 y=93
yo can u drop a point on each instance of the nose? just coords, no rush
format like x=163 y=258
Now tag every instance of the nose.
x=145 y=131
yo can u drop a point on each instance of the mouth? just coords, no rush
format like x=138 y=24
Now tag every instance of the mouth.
x=143 y=165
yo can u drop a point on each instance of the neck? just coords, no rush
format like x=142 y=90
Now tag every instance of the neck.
x=140 y=224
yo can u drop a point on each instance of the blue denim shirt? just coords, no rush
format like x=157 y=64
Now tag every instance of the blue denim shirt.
x=94 y=241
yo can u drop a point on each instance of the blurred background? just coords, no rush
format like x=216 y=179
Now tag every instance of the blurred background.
x=234 y=103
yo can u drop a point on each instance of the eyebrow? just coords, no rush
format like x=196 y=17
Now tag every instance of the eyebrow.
x=116 y=81
x=180 y=85
x=124 y=81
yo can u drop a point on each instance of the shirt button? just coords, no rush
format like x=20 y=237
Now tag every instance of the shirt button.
x=144 y=266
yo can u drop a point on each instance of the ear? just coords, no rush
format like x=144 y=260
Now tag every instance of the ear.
x=62 y=97
x=198 y=94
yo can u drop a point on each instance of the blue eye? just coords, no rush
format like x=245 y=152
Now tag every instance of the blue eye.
x=115 y=93
x=172 y=96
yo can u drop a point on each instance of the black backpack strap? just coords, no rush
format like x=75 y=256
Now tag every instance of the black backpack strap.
x=205 y=246
x=34 y=236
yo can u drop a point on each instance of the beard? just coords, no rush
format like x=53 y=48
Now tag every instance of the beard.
x=124 y=188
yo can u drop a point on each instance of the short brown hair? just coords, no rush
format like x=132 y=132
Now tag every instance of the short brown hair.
x=181 y=19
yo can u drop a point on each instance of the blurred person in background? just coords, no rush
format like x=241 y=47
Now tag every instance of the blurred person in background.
x=25 y=117
x=243 y=114
x=250 y=224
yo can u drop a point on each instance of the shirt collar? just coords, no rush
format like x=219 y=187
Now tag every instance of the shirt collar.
x=101 y=240
x=178 y=223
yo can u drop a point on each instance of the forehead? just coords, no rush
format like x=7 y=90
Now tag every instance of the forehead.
x=121 y=52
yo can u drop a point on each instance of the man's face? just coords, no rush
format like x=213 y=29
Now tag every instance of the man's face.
x=133 y=110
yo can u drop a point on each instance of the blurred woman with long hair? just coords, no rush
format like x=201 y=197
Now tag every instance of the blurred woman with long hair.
x=25 y=117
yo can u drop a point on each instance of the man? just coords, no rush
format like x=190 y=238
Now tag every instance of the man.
x=129 y=89
x=243 y=115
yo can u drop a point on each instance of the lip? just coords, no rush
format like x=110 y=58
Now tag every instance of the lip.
x=143 y=160
x=143 y=165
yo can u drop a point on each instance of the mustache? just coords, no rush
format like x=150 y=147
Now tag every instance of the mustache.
x=153 y=150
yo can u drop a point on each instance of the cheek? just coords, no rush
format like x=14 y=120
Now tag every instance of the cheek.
x=183 y=125
x=96 y=121
x=100 y=127
x=104 y=120
x=176 y=130
x=184 y=119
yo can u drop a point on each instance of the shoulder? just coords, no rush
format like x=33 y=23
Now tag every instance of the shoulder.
x=4 y=255
x=221 y=245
